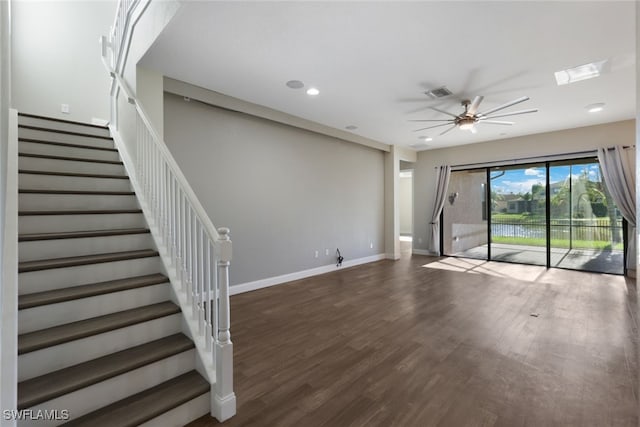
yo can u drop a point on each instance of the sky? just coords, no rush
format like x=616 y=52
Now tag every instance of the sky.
x=521 y=180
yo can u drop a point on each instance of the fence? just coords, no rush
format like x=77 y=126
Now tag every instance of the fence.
x=592 y=229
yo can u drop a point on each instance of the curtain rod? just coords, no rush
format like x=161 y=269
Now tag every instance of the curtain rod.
x=524 y=160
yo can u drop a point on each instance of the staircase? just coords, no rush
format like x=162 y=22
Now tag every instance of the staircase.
x=99 y=333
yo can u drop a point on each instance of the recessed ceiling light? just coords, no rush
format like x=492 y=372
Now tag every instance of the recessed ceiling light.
x=295 y=84
x=351 y=127
x=594 y=108
x=425 y=138
x=581 y=72
x=312 y=91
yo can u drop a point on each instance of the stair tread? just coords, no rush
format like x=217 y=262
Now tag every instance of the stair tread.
x=146 y=405
x=49 y=386
x=66 y=144
x=76 y=174
x=74 y=159
x=35 y=116
x=82 y=212
x=45 y=264
x=56 y=335
x=77 y=192
x=66 y=132
x=80 y=234
x=89 y=290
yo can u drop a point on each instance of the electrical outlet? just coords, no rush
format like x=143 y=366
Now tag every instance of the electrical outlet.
x=326 y=252
x=64 y=108
x=316 y=254
x=370 y=245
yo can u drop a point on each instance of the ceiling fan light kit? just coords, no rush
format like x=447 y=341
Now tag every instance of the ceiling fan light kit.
x=468 y=119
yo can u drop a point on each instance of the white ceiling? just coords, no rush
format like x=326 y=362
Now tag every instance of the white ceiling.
x=373 y=61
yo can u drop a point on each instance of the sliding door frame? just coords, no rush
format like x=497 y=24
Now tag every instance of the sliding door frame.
x=547 y=166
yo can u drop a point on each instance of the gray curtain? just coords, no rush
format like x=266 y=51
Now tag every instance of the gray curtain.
x=442 y=183
x=619 y=176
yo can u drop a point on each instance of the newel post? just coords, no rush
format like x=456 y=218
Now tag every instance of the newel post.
x=224 y=399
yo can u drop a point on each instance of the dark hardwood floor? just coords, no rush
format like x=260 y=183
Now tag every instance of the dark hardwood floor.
x=437 y=342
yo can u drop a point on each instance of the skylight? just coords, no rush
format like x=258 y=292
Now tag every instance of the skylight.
x=581 y=72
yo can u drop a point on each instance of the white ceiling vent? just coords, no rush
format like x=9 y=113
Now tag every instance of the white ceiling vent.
x=440 y=92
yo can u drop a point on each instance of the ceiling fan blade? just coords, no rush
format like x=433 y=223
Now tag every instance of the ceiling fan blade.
x=443 y=112
x=496 y=122
x=449 y=130
x=474 y=105
x=503 y=106
x=431 y=120
x=431 y=127
x=532 y=110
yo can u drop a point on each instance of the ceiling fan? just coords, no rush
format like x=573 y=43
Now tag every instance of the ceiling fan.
x=471 y=117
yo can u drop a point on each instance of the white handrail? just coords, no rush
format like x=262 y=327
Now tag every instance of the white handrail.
x=197 y=256
x=9 y=279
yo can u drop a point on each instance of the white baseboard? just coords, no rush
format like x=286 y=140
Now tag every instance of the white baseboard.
x=422 y=252
x=277 y=280
x=99 y=122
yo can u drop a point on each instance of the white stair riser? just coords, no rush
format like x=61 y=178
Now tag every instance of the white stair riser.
x=75 y=201
x=45 y=249
x=47 y=316
x=104 y=393
x=52 y=124
x=58 y=150
x=61 y=137
x=56 y=278
x=52 y=165
x=56 y=182
x=40 y=362
x=59 y=223
x=183 y=414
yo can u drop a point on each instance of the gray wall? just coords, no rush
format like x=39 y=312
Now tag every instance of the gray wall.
x=56 y=58
x=284 y=192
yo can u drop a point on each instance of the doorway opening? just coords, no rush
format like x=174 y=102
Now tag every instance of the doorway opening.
x=405 y=199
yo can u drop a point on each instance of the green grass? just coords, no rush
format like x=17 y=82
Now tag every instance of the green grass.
x=557 y=243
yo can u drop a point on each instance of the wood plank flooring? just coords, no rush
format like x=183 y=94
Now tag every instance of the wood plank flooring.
x=430 y=341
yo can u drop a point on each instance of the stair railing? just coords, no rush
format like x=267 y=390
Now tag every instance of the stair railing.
x=197 y=256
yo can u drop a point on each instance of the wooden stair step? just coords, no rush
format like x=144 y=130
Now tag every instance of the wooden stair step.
x=73 y=159
x=75 y=174
x=66 y=144
x=49 y=386
x=45 y=264
x=80 y=234
x=144 y=406
x=71 y=122
x=76 y=192
x=89 y=290
x=82 y=212
x=55 y=296
x=65 y=132
x=56 y=335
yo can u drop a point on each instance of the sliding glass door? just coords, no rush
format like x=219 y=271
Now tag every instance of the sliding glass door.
x=465 y=231
x=555 y=214
x=586 y=226
x=518 y=215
